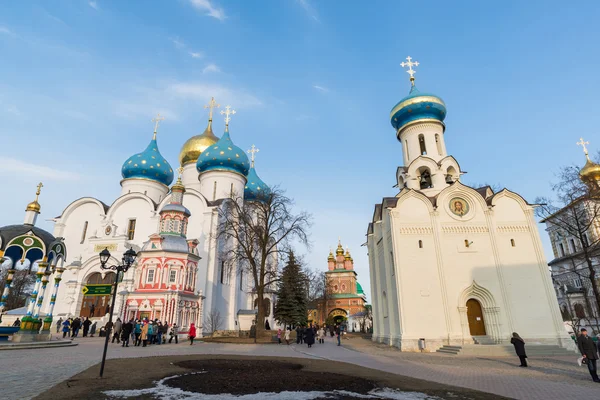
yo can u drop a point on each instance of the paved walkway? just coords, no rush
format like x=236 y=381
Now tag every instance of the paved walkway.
x=26 y=373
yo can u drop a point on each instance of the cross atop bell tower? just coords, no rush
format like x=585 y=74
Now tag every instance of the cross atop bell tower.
x=410 y=63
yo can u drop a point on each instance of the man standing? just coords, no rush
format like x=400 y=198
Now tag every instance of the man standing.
x=92 y=310
x=86 y=326
x=127 y=329
x=589 y=351
x=118 y=325
x=59 y=324
x=174 y=333
x=338 y=332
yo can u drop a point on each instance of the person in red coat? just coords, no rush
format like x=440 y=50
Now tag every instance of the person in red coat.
x=192 y=333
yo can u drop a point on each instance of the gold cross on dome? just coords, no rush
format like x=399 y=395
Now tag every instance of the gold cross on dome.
x=582 y=143
x=211 y=104
x=39 y=190
x=156 y=121
x=410 y=63
x=253 y=150
x=227 y=112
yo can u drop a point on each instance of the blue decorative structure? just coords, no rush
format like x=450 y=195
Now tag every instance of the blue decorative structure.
x=224 y=156
x=417 y=106
x=149 y=164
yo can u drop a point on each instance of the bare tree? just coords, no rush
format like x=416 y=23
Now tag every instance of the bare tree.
x=573 y=216
x=253 y=233
x=213 y=321
x=21 y=287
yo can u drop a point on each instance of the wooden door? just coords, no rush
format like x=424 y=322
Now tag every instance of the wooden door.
x=475 y=317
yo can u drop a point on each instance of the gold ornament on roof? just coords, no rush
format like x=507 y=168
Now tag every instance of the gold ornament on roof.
x=348 y=256
x=227 y=112
x=253 y=150
x=195 y=145
x=156 y=120
x=330 y=257
x=410 y=63
x=340 y=249
x=590 y=173
x=34 y=205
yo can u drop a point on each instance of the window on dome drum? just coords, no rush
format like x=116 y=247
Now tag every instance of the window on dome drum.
x=420 y=244
x=150 y=277
x=176 y=226
x=131 y=229
x=85 y=226
x=512 y=242
x=231 y=191
x=406 y=147
x=422 y=146
x=438 y=143
x=172 y=276
x=214 y=190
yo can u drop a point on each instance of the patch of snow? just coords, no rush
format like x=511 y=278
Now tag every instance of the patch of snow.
x=162 y=391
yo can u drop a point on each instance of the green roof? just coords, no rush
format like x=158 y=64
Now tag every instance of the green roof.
x=345 y=296
x=359 y=289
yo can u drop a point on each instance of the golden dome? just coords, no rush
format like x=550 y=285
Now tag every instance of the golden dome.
x=348 y=256
x=340 y=250
x=590 y=172
x=330 y=257
x=34 y=206
x=195 y=145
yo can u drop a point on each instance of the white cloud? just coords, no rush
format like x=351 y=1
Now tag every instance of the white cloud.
x=203 y=91
x=20 y=168
x=13 y=110
x=321 y=88
x=209 y=9
x=309 y=9
x=211 y=68
x=93 y=4
x=6 y=31
x=195 y=54
x=178 y=43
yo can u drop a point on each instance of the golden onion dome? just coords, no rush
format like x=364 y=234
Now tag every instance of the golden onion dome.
x=330 y=257
x=195 y=145
x=590 y=172
x=348 y=256
x=340 y=250
x=34 y=206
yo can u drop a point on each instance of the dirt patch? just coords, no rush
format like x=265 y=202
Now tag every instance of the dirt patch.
x=262 y=376
x=237 y=375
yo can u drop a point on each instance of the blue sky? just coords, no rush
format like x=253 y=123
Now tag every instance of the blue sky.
x=313 y=83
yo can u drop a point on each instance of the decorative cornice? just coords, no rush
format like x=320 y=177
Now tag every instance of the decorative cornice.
x=461 y=229
x=415 y=230
x=513 y=228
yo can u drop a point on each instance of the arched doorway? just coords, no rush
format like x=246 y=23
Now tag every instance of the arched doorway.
x=101 y=303
x=475 y=317
x=338 y=316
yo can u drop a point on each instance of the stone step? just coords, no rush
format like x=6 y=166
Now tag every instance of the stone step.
x=498 y=350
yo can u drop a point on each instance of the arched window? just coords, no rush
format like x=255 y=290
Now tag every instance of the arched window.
x=512 y=242
x=406 y=147
x=451 y=175
x=579 y=311
x=425 y=179
x=438 y=143
x=564 y=311
x=422 y=145
x=420 y=244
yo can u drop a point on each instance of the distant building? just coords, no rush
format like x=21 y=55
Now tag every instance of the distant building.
x=345 y=298
x=570 y=270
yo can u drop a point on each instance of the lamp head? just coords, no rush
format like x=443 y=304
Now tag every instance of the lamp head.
x=104 y=256
x=129 y=257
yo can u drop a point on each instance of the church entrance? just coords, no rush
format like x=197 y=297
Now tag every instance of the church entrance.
x=475 y=317
x=97 y=306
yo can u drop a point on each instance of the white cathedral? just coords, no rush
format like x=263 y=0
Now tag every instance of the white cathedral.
x=451 y=264
x=179 y=276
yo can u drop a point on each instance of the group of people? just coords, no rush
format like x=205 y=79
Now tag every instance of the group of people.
x=310 y=334
x=71 y=327
x=137 y=331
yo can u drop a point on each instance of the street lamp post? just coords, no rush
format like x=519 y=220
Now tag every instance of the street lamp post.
x=126 y=262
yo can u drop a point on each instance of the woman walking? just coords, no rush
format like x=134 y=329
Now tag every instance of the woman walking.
x=321 y=335
x=144 y=334
x=519 y=344
x=192 y=333
x=287 y=335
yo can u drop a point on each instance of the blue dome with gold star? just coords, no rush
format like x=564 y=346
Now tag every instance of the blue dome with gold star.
x=417 y=106
x=255 y=188
x=149 y=164
x=223 y=156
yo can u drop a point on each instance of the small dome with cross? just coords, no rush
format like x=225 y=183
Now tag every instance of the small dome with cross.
x=417 y=106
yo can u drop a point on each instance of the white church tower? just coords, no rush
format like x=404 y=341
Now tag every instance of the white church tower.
x=451 y=264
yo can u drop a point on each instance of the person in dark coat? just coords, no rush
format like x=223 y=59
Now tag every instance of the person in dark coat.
x=309 y=336
x=519 y=344
x=86 y=326
x=92 y=310
x=298 y=335
x=93 y=329
x=589 y=351
x=267 y=326
x=126 y=330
